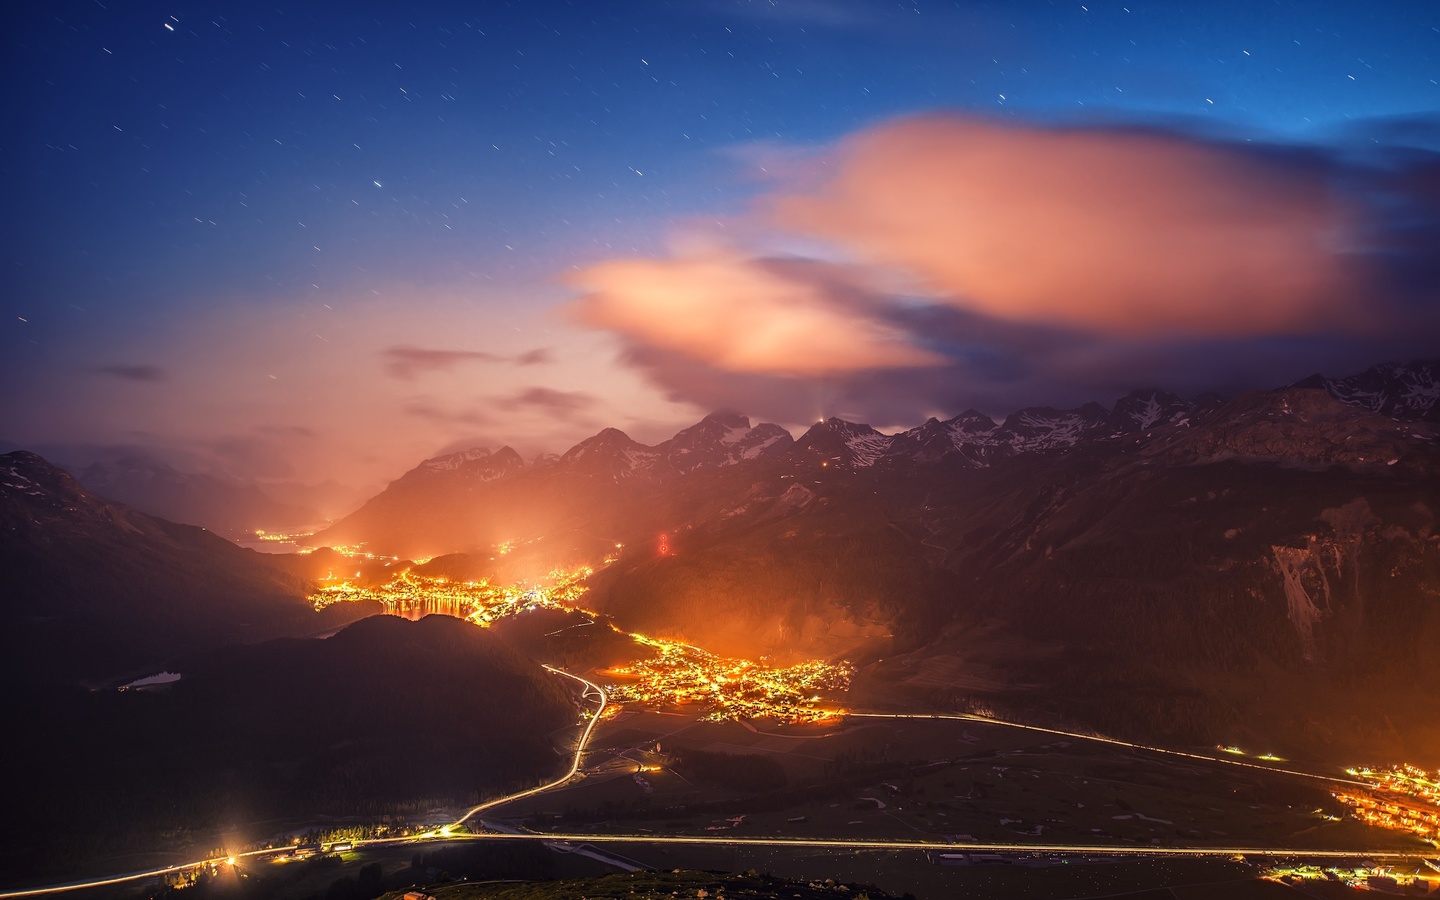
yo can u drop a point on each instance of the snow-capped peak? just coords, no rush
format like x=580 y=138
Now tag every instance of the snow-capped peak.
x=455 y=460
x=1408 y=392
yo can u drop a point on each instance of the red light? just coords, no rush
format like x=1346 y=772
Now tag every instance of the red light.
x=664 y=545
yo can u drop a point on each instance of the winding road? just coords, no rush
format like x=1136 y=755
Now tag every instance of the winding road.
x=590 y=687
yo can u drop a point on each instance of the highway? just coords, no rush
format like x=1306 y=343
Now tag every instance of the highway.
x=775 y=842
x=882 y=844
x=451 y=833
x=984 y=720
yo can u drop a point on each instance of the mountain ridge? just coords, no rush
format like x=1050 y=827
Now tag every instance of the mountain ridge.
x=1167 y=569
x=1241 y=428
x=228 y=507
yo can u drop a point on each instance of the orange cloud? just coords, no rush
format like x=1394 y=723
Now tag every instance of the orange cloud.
x=1120 y=232
x=740 y=314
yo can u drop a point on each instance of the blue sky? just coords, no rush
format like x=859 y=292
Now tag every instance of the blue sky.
x=224 y=219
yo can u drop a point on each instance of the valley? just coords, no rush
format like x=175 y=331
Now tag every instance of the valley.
x=681 y=772
x=1082 y=638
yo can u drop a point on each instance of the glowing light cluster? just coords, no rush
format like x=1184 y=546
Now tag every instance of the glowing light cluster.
x=678 y=674
x=354 y=551
x=1416 y=880
x=1406 y=798
x=277 y=537
x=682 y=674
x=480 y=602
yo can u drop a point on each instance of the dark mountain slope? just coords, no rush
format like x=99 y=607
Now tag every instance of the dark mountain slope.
x=92 y=588
x=387 y=716
x=1264 y=570
x=1215 y=602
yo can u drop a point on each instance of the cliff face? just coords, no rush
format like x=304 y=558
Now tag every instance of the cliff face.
x=1323 y=576
x=1362 y=590
x=1307 y=588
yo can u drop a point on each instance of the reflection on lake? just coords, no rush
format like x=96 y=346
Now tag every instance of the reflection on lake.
x=420 y=607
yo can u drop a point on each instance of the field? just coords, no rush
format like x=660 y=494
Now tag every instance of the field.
x=936 y=780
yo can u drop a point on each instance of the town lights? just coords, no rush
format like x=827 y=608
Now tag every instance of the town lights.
x=730 y=688
x=1402 y=799
x=679 y=673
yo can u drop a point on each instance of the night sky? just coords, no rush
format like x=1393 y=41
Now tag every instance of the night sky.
x=299 y=242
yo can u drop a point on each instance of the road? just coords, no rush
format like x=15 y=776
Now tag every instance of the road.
x=1114 y=742
x=450 y=832
x=590 y=687
x=824 y=844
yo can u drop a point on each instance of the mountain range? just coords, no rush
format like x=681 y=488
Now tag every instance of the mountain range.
x=475 y=498
x=1263 y=568
x=230 y=508
x=1181 y=569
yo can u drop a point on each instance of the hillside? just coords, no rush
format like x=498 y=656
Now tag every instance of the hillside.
x=92 y=588
x=350 y=725
x=1218 y=582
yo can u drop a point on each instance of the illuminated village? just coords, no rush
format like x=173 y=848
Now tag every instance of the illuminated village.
x=480 y=602
x=729 y=688
x=677 y=674
x=1404 y=798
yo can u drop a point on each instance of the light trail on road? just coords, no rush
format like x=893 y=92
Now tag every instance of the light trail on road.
x=574 y=765
x=111 y=880
x=881 y=844
x=984 y=720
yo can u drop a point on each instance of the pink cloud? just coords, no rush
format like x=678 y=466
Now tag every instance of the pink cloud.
x=1119 y=232
x=742 y=315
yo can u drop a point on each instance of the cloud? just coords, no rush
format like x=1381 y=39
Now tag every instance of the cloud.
x=141 y=373
x=743 y=315
x=1110 y=230
x=561 y=405
x=1001 y=367
x=564 y=404
x=406 y=362
x=424 y=409
x=940 y=262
